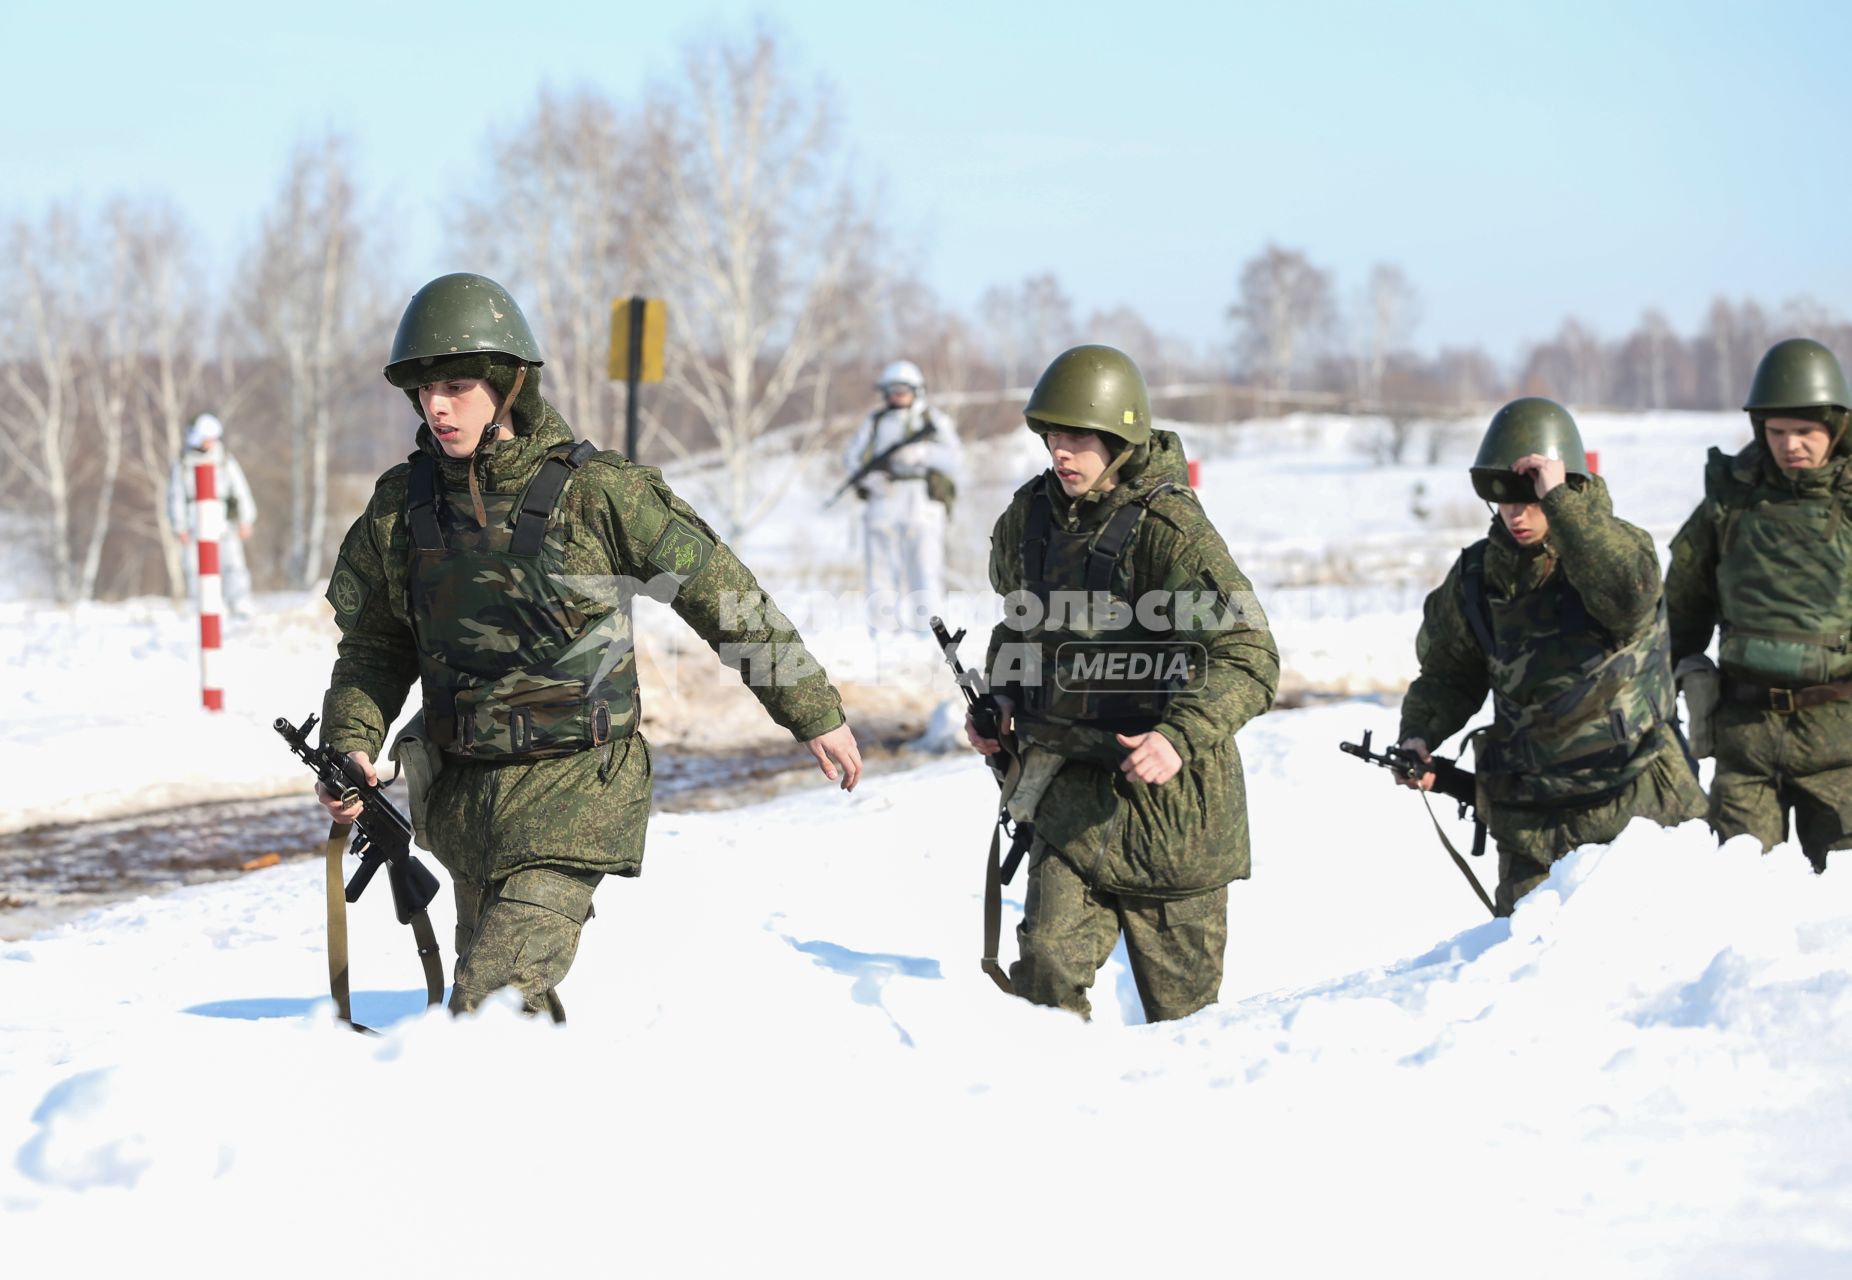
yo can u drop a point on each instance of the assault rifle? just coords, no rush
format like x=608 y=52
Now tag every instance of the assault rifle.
x=986 y=717
x=1450 y=780
x=879 y=463
x=383 y=834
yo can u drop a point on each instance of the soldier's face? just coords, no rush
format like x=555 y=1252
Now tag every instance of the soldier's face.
x=1797 y=443
x=1525 y=522
x=1079 y=457
x=458 y=412
x=899 y=395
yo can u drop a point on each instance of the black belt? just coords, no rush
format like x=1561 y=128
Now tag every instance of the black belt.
x=1785 y=701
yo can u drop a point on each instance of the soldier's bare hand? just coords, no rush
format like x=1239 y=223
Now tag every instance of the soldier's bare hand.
x=1153 y=759
x=990 y=746
x=332 y=803
x=838 y=756
x=1545 y=473
x=1419 y=781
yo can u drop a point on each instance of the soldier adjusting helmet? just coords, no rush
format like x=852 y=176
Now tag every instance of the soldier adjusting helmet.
x=1092 y=388
x=1532 y=425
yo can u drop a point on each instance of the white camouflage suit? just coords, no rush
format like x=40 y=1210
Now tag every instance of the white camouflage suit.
x=240 y=510
x=904 y=529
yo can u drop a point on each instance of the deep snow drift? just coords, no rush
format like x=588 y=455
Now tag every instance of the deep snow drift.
x=783 y=1057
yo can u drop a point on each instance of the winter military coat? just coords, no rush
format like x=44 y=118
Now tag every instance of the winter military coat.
x=1189 y=834
x=1766 y=559
x=521 y=786
x=1569 y=637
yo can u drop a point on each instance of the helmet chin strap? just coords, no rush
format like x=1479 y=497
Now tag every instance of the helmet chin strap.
x=489 y=435
x=1099 y=488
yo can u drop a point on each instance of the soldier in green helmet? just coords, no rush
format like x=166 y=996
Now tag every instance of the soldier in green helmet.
x=1558 y=613
x=495 y=570
x=1765 y=562
x=1132 y=652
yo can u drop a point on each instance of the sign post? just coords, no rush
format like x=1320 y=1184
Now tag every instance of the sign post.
x=209 y=527
x=639 y=332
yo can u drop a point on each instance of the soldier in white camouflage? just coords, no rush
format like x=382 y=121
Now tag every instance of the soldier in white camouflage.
x=1558 y=613
x=495 y=569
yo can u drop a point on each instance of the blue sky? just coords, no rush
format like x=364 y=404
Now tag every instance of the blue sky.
x=1519 y=162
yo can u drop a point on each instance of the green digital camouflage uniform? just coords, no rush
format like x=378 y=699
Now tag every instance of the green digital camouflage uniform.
x=1768 y=558
x=526 y=840
x=1582 y=740
x=1112 y=853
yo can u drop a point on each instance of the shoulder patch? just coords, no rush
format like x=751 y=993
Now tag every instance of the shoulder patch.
x=681 y=549
x=347 y=591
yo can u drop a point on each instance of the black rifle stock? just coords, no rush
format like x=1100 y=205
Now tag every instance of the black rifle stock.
x=987 y=718
x=384 y=836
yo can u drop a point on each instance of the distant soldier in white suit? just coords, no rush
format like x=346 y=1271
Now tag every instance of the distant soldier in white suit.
x=205 y=442
x=905 y=463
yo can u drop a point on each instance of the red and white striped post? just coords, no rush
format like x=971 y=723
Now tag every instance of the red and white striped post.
x=209 y=527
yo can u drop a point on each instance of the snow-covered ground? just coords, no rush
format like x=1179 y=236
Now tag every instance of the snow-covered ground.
x=783 y=1057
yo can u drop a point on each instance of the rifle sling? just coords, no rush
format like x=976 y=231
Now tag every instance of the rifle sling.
x=1458 y=861
x=429 y=955
x=993 y=883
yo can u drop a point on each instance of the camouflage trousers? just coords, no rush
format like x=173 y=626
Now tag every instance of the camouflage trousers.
x=1531 y=838
x=1069 y=930
x=1769 y=764
x=522 y=932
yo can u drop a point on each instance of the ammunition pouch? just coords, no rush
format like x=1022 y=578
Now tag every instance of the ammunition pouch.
x=1702 y=684
x=420 y=761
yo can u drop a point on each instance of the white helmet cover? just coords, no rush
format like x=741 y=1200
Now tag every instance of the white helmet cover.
x=202 y=430
x=902 y=373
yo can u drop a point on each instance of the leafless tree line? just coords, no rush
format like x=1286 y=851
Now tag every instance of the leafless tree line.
x=724 y=189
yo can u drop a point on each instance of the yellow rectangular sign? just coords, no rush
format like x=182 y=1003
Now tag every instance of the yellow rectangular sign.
x=639 y=327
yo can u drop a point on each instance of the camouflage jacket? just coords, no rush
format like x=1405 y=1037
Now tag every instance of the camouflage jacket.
x=1768 y=558
x=614 y=520
x=1577 y=663
x=1189 y=834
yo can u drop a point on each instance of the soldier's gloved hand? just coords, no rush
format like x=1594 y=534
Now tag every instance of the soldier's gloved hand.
x=873 y=485
x=332 y=803
x=1153 y=760
x=838 y=756
x=1422 y=781
x=990 y=746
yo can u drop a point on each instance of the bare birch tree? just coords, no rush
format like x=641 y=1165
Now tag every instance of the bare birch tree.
x=40 y=409
x=301 y=305
x=1386 y=313
x=577 y=183
x=1283 y=314
x=767 y=252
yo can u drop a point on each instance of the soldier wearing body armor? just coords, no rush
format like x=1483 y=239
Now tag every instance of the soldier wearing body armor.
x=494 y=570
x=1133 y=651
x=1558 y=613
x=1766 y=562
x=904 y=461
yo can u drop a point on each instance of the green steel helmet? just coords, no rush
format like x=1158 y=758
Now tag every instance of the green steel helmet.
x=1521 y=428
x=1092 y=389
x=1798 y=374
x=461 y=314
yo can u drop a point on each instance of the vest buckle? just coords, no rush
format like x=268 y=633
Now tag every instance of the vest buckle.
x=1781 y=701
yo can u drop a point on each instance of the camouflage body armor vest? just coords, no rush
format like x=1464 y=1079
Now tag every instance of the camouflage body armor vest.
x=1784 y=590
x=514 y=664
x=1084 y=697
x=1571 y=706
